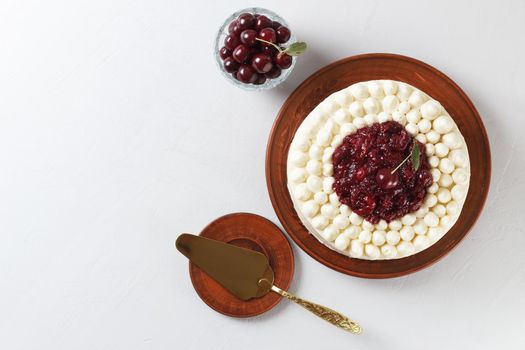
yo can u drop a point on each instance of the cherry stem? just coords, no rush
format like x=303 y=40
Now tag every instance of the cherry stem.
x=268 y=42
x=399 y=166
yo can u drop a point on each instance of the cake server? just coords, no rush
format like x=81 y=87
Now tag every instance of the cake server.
x=247 y=274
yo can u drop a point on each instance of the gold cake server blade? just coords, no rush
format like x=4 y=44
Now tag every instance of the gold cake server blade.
x=247 y=274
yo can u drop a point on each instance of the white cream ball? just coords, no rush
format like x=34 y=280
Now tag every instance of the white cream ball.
x=421 y=242
x=395 y=225
x=404 y=92
x=412 y=129
x=405 y=248
x=341 y=221
x=430 y=109
x=399 y=117
x=298 y=175
x=390 y=87
x=420 y=213
x=356 y=248
x=431 y=219
x=435 y=233
x=433 y=161
x=342 y=98
x=408 y=219
x=443 y=124
x=390 y=103
x=302 y=143
x=329 y=211
x=393 y=237
x=315 y=152
x=302 y=192
x=420 y=227
x=422 y=138
x=446 y=166
x=345 y=210
x=328 y=169
x=359 y=122
x=375 y=89
x=407 y=233
x=424 y=125
x=453 y=208
x=328 y=183
x=445 y=180
x=382 y=225
x=323 y=138
x=444 y=195
x=334 y=199
x=342 y=242
x=452 y=140
x=347 y=129
x=336 y=141
x=371 y=105
x=367 y=225
x=314 y=183
x=365 y=236
x=319 y=222
x=310 y=208
x=389 y=251
x=446 y=221
x=320 y=198
x=435 y=174
x=458 y=192
x=416 y=99
x=355 y=219
x=370 y=119
x=433 y=188
x=441 y=150
x=378 y=237
x=383 y=117
x=372 y=251
x=440 y=210
x=460 y=176
x=403 y=107
x=314 y=167
x=459 y=157
x=352 y=232
x=341 y=116
x=298 y=158
x=330 y=233
x=359 y=91
x=430 y=200
x=327 y=154
x=413 y=116
x=433 y=136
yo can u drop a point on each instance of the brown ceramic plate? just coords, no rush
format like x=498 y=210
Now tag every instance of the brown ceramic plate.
x=252 y=232
x=340 y=75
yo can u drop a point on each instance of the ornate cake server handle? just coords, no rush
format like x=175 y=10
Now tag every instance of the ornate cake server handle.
x=327 y=314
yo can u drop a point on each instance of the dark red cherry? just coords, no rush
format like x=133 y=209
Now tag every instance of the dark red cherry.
x=268 y=34
x=361 y=173
x=261 y=79
x=230 y=65
x=263 y=22
x=283 y=34
x=273 y=73
x=262 y=63
x=276 y=24
x=283 y=60
x=246 y=74
x=231 y=26
x=248 y=37
x=245 y=21
x=231 y=42
x=241 y=53
x=385 y=179
x=270 y=50
x=224 y=53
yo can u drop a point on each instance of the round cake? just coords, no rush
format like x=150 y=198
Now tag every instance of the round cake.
x=378 y=170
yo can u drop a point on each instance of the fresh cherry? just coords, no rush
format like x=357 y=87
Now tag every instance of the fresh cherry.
x=245 y=21
x=224 y=53
x=261 y=79
x=283 y=34
x=268 y=34
x=241 y=53
x=231 y=26
x=263 y=22
x=246 y=74
x=231 y=41
x=248 y=37
x=386 y=180
x=276 y=24
x=283 y=60
x=262 y=63
x=275 y=72
x=230 y=65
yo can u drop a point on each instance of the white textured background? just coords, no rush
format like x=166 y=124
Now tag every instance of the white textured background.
x=117 y=133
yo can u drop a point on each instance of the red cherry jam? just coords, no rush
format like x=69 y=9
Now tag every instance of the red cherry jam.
x=363 y=166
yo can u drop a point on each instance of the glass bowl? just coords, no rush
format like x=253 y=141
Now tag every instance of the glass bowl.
x=219 y=42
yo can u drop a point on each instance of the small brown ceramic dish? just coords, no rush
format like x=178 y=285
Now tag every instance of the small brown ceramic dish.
x=340 y=75
x=252 y=232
